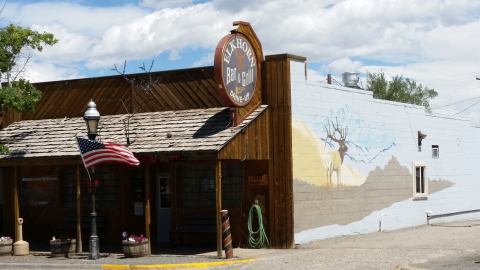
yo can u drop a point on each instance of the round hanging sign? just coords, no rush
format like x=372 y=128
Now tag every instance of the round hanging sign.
x=236 y=69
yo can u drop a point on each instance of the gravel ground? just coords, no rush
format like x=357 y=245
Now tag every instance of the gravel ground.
x=443 y=246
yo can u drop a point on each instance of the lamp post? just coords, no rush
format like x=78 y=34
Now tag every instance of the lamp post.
x=92 y=117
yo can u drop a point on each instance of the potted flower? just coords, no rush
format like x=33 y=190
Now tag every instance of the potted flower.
x=134 y=245
x=6 y=245
x=62 y=247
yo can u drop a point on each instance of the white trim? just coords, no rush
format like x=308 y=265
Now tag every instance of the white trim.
x=416 y=195
x=435 y=149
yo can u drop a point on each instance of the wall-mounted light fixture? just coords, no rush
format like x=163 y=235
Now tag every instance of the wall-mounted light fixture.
x=420 y=137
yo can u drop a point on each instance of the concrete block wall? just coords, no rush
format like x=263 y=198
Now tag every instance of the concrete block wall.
x=377 y=172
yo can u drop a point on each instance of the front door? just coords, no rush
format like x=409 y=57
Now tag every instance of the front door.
x=162 y=183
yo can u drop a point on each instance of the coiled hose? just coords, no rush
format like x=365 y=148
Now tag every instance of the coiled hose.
x=256 y=239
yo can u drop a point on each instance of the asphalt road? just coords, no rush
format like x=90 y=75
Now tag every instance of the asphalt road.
x=441 y=246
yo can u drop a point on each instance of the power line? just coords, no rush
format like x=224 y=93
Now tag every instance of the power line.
x=457 y=102
x=467 y=108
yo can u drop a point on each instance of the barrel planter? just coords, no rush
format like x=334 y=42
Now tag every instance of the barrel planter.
x=63 y=247
x=6 y=247
x=133 y=249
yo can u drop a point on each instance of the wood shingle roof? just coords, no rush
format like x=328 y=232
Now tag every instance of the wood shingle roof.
x=151 y=132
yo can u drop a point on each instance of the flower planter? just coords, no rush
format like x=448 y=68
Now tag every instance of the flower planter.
x=6 y=247
x=135 y=249
x=63 y=247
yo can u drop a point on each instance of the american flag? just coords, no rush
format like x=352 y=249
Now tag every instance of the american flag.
x=94 y=153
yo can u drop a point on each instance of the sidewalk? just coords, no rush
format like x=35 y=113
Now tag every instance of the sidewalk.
x=43 y=260
x=440 y=246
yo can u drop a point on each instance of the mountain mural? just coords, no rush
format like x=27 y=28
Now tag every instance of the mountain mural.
x=316 y=206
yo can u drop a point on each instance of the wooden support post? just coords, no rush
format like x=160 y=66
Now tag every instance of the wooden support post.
x=147 y=208
x=16 y=206
x=218 y=203
x=79 y=209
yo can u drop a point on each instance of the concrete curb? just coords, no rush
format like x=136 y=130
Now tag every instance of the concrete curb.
x=195 y=265
x=58 y=266
x=50 y=266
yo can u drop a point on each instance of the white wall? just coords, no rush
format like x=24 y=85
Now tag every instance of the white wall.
x=373 y=120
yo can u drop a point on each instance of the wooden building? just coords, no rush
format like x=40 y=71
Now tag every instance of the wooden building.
x=198 y=154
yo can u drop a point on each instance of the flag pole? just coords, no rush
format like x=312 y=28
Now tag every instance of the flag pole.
x=94 y=248
x=83 y=161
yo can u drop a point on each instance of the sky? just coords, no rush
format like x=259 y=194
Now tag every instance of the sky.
x=434 y=42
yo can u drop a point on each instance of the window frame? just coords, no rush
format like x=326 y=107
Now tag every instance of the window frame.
x=437 y=148
x=419 y=195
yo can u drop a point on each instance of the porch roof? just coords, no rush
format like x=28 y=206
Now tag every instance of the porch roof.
x=167 y=131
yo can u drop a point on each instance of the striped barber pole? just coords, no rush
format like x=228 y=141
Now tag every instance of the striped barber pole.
x=227 y=236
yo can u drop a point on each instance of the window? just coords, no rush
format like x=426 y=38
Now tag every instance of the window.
x=232 y=183
x=420 y=182
x=107 y=192
x=39 y=191
x=196 y=184
x=164 y=190
x=435 y=151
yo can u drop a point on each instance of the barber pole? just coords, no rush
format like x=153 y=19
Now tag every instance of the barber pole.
x=227 y=236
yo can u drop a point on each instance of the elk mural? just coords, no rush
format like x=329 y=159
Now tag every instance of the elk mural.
x=334 y=158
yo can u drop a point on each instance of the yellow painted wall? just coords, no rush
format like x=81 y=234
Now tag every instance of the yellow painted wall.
x=310 y=159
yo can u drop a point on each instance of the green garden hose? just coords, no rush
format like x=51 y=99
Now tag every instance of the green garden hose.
x=256 y=239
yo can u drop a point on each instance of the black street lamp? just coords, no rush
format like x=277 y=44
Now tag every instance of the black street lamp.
x=92 y=117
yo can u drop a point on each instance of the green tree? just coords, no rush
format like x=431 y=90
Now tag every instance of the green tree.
x=16 y=45
x=400 y=89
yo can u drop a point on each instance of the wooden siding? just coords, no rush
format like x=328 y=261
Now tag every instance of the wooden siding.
x=253 y=168
x=251 y=143
x=43 y=222
x=174 y=90
x=8 y=211
x=277 y=94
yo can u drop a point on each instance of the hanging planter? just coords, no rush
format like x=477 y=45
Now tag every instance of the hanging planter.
x=6 y=244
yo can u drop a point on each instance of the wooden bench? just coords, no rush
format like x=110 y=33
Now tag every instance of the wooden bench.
x=194 y=230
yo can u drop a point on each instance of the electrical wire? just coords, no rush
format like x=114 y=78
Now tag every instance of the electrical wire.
x=472 y=105
x=335 y=81
x=455 y=103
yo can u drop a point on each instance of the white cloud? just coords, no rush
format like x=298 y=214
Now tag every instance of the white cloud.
x=74 y=17
x=206 y=60
x=167 y=29
x=162 y=4
x=344 y=64
x=174 y=55
x=431 y=41
x=448 y=63
x=42 y=72
x=314 y=75
x=452 y=80
x=71 y=47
